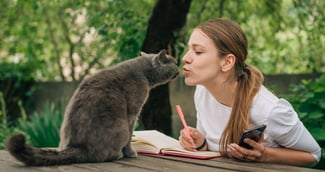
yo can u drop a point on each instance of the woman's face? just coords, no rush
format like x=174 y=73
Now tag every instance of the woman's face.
x=201 y=61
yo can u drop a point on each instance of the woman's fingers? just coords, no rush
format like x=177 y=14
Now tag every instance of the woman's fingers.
x=186 y=141
x=242 y=153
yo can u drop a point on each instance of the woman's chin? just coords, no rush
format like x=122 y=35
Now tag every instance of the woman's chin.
x=188 y=82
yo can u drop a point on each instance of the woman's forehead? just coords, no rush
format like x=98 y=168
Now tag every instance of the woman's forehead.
x=200 y=39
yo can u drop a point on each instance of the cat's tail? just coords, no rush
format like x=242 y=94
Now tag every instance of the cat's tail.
x=32 y=156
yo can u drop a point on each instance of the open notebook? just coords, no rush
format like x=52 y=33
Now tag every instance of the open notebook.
x=155 y=142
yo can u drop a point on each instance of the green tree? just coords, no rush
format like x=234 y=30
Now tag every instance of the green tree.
x=285 y=36
x=68 y=40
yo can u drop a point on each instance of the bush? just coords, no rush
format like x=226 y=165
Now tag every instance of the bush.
x=5 y=129
x=43 y=129
x=308 y=99
x=16 y=85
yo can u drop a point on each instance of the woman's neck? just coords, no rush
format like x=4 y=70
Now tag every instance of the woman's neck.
x=223 y=90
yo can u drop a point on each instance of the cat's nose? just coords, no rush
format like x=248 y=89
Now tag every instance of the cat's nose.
x=176 y=74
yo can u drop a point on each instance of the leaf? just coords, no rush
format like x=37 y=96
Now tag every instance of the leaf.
x=315 y=115
x=318 y=133
x=322 y=103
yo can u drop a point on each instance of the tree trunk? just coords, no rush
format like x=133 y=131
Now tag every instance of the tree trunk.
x=168 y=17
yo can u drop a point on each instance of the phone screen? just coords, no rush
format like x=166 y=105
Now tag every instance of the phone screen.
x=254 y=134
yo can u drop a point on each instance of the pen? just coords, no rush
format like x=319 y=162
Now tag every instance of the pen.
x=181 y=116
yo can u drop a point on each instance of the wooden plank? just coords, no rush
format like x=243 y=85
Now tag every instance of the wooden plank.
x=9 y=164
x=216 y=164
x=157 y=163
x=230 y=164
x=146 y=163
x=107 y=166
x=277 y=167
x=142 y=163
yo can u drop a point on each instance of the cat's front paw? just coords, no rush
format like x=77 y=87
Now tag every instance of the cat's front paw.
x=130 y=153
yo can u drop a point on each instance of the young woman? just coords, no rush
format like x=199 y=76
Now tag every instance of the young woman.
x=230 y=98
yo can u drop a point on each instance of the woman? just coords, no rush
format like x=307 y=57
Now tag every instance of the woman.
x=230 y=98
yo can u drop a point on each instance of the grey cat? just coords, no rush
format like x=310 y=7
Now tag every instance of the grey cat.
x=100 y=117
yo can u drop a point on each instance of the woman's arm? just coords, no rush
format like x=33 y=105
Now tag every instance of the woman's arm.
x=262 y=153
x=287 y=156
x=295 y=145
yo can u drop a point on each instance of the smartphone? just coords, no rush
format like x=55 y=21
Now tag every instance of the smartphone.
x=253 y=133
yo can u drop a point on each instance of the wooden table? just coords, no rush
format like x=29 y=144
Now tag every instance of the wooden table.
x=146 y=163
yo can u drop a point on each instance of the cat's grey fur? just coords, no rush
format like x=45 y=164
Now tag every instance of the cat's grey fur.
x=100 y=117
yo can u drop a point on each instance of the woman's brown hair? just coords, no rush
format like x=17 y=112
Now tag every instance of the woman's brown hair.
x=229 y=38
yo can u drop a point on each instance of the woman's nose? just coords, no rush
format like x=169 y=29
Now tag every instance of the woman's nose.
x=187 y=58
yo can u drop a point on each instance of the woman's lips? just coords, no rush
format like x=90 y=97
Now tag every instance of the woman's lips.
x=185 y=70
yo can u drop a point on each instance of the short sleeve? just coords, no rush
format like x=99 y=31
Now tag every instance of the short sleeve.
x=285 y=128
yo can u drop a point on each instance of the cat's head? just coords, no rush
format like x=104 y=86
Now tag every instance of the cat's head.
x=164 y=68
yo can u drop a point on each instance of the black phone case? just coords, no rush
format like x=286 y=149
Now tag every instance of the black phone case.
x=254 y=134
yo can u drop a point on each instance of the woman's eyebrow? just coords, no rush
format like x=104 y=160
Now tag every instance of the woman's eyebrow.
x=195 y=45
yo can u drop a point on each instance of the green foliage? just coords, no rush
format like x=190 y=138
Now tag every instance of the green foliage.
x=309 y=101
x=283 y=36
x=16 y=81
x=67 y=40
x=5 y=131
x=8 y=127
x=71 y=39
x=308 y=98
x=21 y=71
x=42 y=129
x=131 y=26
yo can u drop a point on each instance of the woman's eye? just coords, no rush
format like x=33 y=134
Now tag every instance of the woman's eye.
x=198 y=52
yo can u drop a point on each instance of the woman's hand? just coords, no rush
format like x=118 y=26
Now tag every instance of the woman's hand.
x=241 y=153
x=262 y=153
x=193 y=141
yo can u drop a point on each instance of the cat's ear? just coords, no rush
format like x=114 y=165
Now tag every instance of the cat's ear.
x=162 y=52
x=162 y=56
x=143 y=53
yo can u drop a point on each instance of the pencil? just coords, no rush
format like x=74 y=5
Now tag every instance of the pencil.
x=181 y=116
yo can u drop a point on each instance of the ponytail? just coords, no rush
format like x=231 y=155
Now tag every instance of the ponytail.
x=250 y=80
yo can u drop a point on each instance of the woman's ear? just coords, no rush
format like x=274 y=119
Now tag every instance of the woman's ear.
x=228 y=63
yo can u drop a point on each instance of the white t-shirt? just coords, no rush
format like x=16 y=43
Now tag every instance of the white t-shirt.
x=284 y=128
